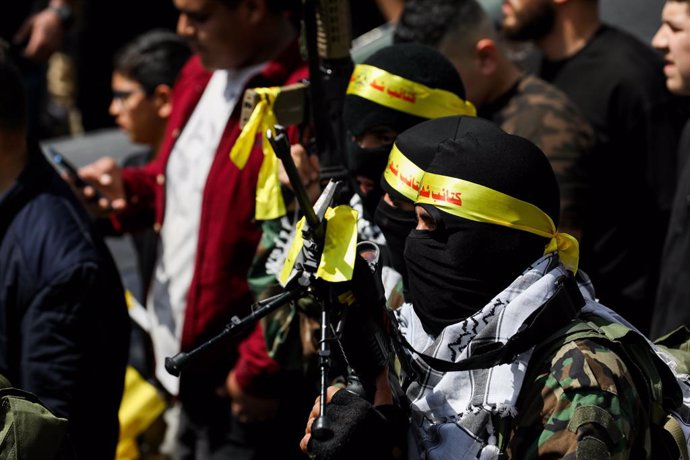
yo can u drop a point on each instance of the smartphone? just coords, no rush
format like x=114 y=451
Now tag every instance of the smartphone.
x=71 y=171
x=68 y=167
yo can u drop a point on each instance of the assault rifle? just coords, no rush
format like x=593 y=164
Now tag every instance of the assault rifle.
x=326 y=37
x=367 y=348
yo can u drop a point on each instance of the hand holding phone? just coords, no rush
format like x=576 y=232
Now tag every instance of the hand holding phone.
x=68 y=168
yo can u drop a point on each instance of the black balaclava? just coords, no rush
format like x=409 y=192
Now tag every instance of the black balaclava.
x=457 y=268
x=418 y=63
x=396 y=223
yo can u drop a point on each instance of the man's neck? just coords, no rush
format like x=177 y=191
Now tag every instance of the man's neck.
x=277 y=37
x=571 y=32
x=13 y=158
x=507 y=74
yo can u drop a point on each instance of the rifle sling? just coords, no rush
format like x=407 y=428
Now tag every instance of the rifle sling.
x=556 y=312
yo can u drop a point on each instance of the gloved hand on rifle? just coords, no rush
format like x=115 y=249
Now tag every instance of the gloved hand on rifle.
x=361 y=430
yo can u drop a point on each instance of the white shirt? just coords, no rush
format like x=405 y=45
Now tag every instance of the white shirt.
x=187 y=170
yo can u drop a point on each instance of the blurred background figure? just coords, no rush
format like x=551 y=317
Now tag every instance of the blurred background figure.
x=144 y=72
x=616 y=81
x=673 y=298
x=64 y=329
x=519 y=103
x=202 y=205
x=143 y=76
x=36 y=30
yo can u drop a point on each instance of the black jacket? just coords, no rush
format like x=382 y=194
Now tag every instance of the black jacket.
x=64 y=328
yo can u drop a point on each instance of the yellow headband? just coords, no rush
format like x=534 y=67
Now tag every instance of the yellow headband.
x=482 y=204
x=398 y=93
x=403 y=175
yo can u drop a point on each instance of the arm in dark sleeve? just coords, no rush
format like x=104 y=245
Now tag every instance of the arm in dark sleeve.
x=53 y=332
x=256 y=372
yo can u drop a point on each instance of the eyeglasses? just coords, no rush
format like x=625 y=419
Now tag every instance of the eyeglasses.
x=121 y=97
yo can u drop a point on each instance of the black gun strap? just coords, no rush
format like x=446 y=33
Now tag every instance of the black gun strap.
x=558 y=311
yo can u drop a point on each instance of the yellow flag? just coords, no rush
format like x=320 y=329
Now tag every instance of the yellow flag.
x=141 y=405
x=339 y=252
x=269 y=200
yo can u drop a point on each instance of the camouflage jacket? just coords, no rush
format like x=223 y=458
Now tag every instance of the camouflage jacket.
x=576 y=395
x=581 y=403
x=541 y=113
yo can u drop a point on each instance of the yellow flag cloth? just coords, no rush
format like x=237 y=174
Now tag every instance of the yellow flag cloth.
x=481 y=204
x=141 y=406
x=398 y=93
x=269 y=200
x=338 y=258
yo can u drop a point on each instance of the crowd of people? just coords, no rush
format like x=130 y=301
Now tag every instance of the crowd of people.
x=530 y=219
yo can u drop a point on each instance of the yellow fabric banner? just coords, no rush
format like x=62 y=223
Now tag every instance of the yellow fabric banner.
x=398 y=93
x=481 y=204
x=338 y=258
x=269 y=200
x=141 y=406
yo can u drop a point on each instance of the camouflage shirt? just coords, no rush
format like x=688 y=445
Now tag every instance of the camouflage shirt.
x=582 y=403
x=541 y=113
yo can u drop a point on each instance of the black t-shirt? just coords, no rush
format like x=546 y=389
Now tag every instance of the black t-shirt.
x=617 y=82
x=13 y=16
x=366 y=15
x=673 y=299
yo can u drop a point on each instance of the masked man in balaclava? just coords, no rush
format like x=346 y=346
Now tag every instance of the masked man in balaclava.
x=394 y=89
x=511 y=353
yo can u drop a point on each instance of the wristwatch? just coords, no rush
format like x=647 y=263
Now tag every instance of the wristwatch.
x=64 y=12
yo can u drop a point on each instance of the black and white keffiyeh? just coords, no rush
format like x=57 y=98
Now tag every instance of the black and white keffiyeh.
x=366 y=229
x=452 y=411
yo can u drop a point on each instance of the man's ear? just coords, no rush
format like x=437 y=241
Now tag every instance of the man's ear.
x=162 y=97
x=486 y=55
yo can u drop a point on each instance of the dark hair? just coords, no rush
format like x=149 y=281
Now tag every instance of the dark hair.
x=429 y=21
x=154 y=58
x=12 y=98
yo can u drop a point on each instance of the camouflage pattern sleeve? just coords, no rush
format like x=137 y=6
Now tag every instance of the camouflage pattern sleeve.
x=544 y=115
x=585 y=406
